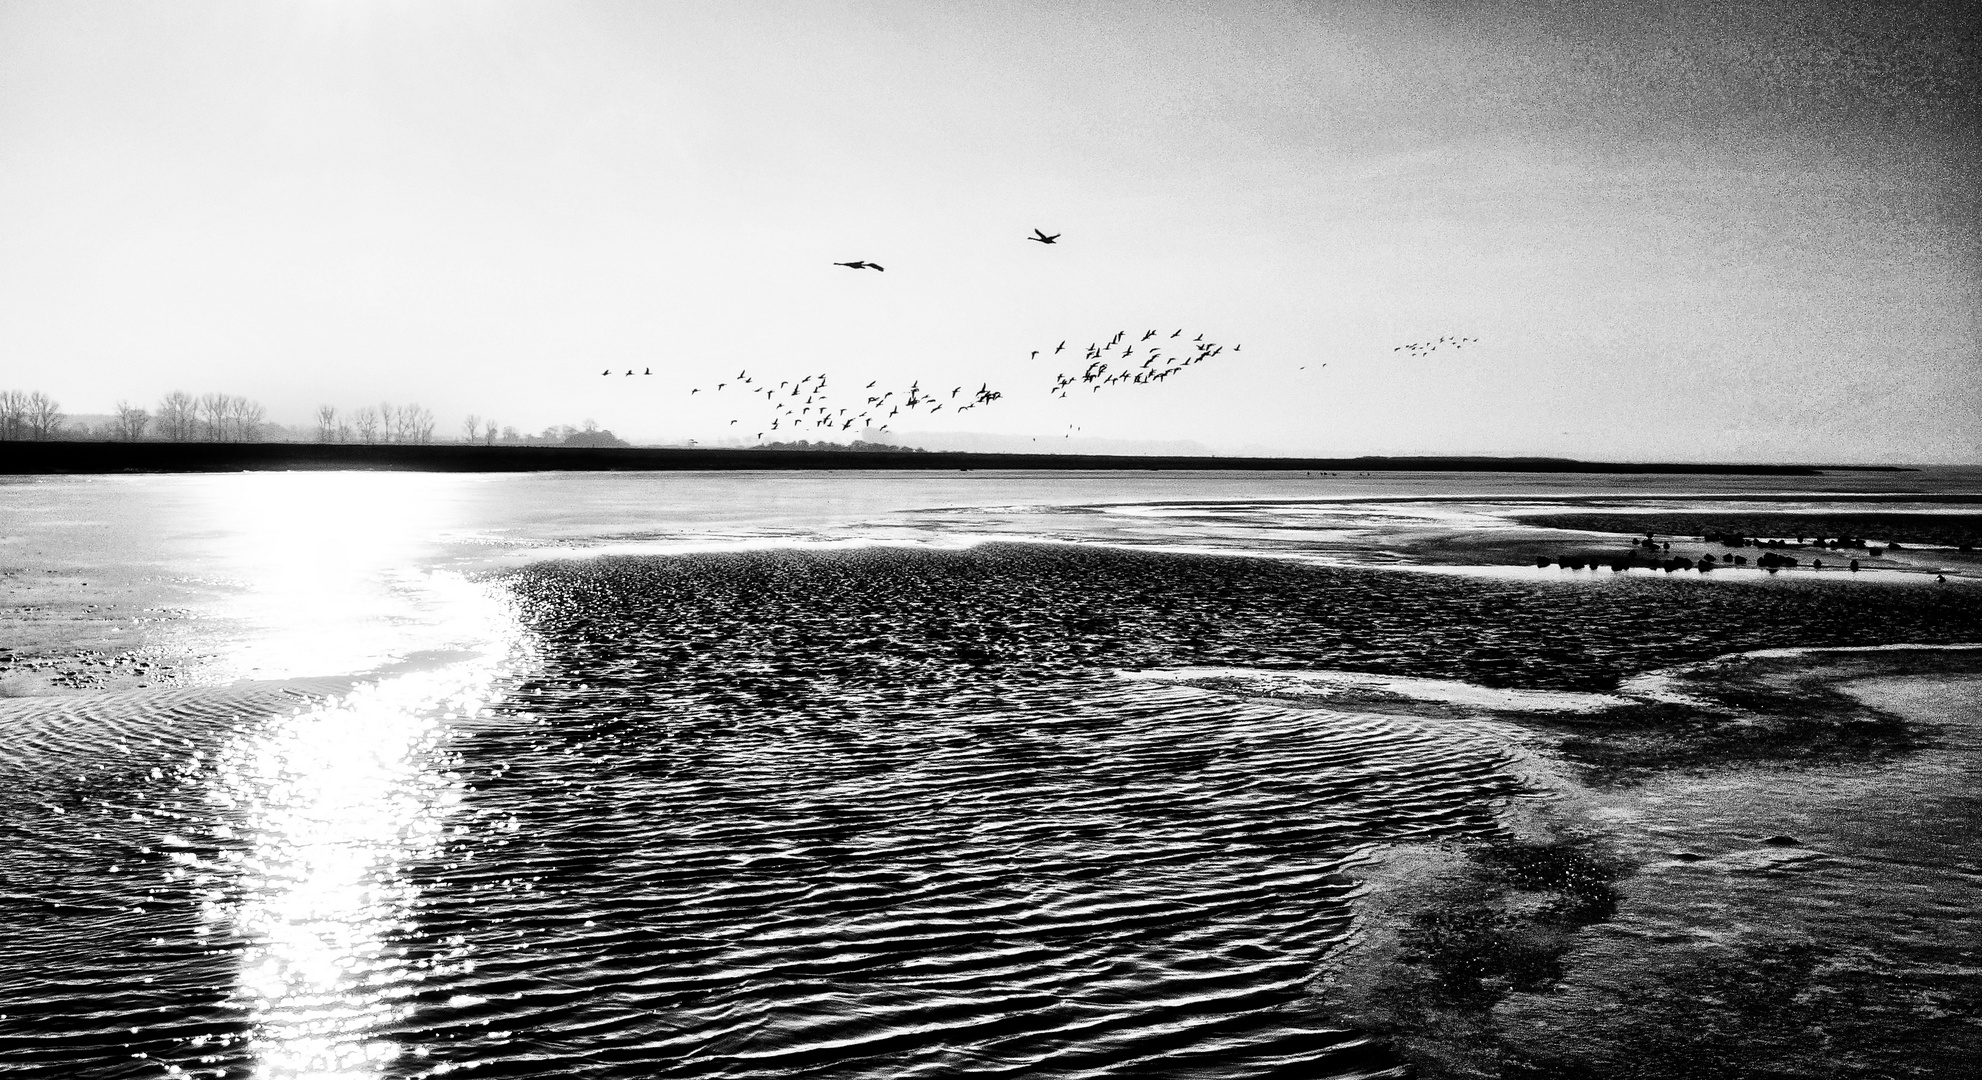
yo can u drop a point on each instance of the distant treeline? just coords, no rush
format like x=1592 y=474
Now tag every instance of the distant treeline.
x=29 y=415
x=411 y=425
x=179 y=417
x=484 y=430
x=382 y=423
x=33 y=416
x=25 y=458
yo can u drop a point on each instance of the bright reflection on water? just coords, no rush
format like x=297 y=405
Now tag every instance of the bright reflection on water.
x=334 y=803
x=327 y=570
x=337 y=801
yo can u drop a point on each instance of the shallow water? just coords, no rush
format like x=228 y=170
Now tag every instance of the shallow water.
x=819 y=783
x=1820 y=921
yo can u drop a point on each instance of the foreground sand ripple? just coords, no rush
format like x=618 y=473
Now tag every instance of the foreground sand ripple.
x=867 y=813
x=103 y=961
x=1148 y=876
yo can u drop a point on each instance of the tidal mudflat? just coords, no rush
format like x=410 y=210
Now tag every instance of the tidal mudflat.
x=351 y=774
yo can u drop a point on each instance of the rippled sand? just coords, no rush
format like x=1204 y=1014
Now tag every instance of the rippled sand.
x=901 y=808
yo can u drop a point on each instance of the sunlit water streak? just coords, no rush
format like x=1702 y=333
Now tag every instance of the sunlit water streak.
x=283 y=818
x=335 y=802
x=332 y=803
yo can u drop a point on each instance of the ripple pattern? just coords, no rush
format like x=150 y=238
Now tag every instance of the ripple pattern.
x=855 y=814
x=1143 y=881
x=106 y=967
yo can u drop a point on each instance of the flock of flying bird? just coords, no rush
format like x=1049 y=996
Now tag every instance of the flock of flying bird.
x=1417 y=347
x=1155 y=366
x=804 y=404
x=790 y=414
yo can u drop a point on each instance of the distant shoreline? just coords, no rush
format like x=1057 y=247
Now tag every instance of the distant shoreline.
x=46 y=458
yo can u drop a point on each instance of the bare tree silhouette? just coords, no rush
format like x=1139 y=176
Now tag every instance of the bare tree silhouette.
x=213 y=416
x=247 y=418
x=44 y=416
x=13 y=414
x=229 y=418
x=381 y=423
x=470 y=428
x=130 y=423
x=178 y=416
x=416 y=424
x=365 y=424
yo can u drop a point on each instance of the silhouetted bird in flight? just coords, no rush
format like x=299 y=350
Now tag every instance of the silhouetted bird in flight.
x=1043 y=238
x=859 y=264
x=1417 y=347
x=607 y=371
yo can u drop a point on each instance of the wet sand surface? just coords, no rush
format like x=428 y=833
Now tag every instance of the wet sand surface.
x=1809 y=922
x=872 y=794
x=1753 y=919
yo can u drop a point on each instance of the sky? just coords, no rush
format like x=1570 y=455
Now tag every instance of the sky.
x=1679 y=231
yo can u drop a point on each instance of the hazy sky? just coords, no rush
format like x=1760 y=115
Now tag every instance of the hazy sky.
x=1680 y=230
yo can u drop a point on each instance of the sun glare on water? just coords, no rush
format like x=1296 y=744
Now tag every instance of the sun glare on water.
x=329 y=573
x=337 y=804
x=333 y=806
